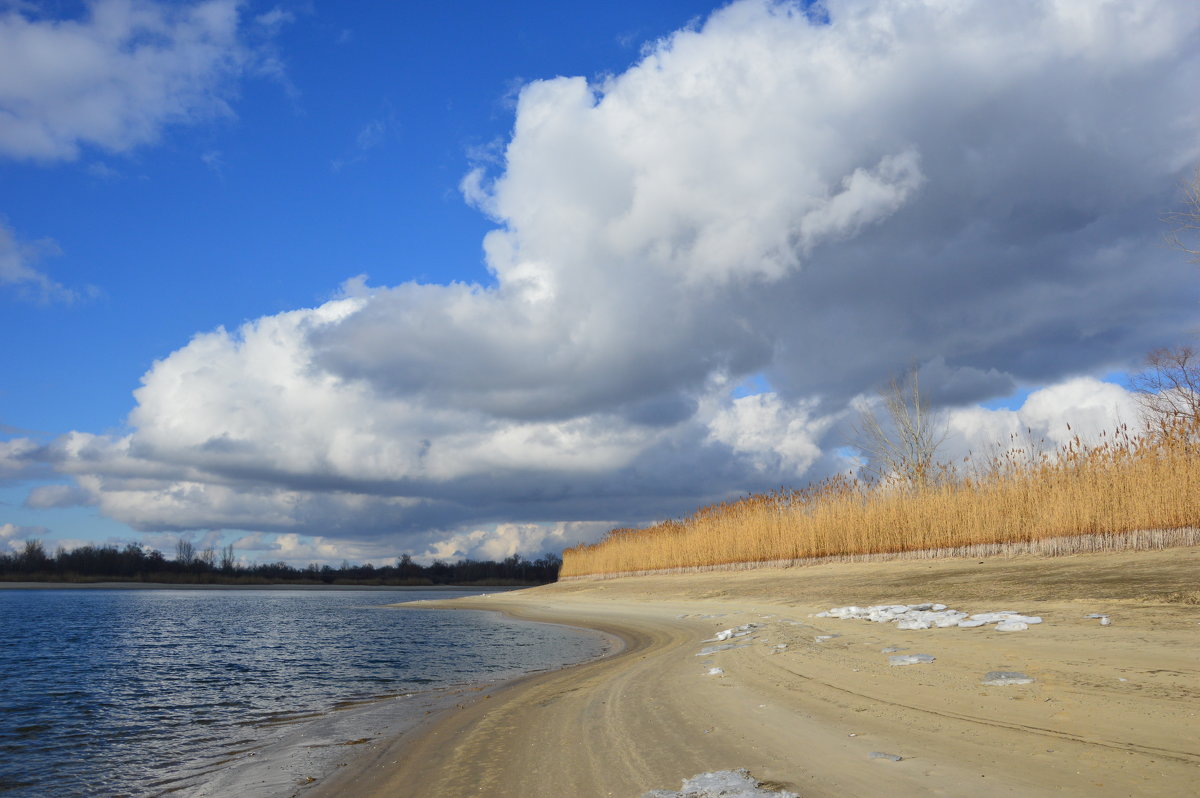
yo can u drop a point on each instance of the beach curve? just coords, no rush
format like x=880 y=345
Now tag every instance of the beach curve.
x=812 y=705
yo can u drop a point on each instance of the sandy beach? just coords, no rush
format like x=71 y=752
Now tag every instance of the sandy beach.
x=807 y=704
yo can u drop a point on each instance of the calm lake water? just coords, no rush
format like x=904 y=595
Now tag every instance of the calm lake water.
x=119 y=692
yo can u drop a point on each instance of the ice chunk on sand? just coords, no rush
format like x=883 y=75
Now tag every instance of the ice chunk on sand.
x=737 y=631
x=882 y=755
x=913 y=624
x=721 y=784
x=704 y=652
x=1000 y=678
x=925 y=616
x=716 y=672
x=910 y=659
x=991 y=617
x=823 y=638
x=1012 y=626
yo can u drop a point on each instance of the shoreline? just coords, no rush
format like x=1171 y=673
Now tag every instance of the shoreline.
x=310 y=750
x=1112 y=709
x=315 y=748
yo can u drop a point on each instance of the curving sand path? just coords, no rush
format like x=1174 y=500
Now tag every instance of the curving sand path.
x=1114 y=710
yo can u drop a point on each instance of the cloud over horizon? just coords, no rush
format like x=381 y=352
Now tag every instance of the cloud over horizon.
x=973 y=187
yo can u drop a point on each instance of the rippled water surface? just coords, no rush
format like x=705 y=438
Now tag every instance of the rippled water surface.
x=117 y=692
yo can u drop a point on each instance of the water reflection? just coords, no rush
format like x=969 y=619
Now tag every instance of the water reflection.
x=108 y=692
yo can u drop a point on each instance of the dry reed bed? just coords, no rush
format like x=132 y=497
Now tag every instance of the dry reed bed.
x=1081 y=498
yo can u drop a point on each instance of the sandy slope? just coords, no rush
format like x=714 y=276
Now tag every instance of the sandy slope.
x=808 y=717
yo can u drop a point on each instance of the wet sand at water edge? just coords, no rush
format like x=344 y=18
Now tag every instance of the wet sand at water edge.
x=1113 y=710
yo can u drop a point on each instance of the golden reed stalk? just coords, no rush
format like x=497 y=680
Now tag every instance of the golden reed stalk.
x=1127 y=491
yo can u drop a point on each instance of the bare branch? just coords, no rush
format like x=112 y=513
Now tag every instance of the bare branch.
x=903 y=444
x=1185 y=224
x=1168 y=387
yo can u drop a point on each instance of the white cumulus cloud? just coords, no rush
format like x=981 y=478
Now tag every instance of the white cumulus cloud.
x=974 y=187
x=13 y=536
x=114 y=77
x=1049 y=418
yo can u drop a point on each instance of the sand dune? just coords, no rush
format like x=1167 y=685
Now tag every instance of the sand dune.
x=809 y=704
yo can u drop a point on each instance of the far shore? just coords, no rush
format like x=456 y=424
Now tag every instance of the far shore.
x=812 y=705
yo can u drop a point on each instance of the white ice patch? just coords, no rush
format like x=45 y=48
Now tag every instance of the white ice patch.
x=737 y=631
x=704 y=652
x=913 y=624
x=910 y=659
x=721 y=784
x=930 y=616
x=1011 y=626
x=1001 y=678
x=716 y=672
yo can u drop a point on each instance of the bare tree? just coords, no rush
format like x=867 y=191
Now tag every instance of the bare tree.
x=33 y=555
x=1185 y=223
x=903 y=444
x=1168 y=387
x=228 y=558
x=185 y=552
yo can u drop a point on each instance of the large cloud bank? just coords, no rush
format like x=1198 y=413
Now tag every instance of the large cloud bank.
x=975 y=187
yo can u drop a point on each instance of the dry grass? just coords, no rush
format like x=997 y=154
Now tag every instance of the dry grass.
x=1080 y=498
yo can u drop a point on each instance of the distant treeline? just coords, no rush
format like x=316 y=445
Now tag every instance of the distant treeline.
x=134 y=563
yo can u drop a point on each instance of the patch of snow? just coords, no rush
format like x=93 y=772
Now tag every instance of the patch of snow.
x=913 y=623
x=737 y=631
x=716 y=672
x=704 y=652
x=910 y=659
x=721 y=784
x=927 y=616
x=1001 y=678
x=1011 y=626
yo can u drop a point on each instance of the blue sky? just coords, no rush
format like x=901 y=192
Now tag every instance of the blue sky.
x=346 y=163
x=709 y=239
